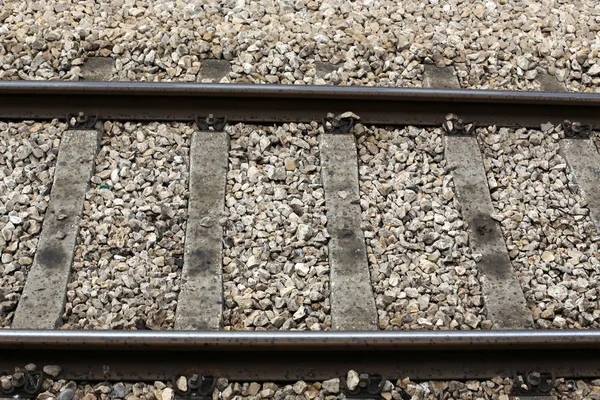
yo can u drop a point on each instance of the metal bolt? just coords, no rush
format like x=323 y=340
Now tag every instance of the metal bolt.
x=364 y=380
x=81 y=118
x=195 y=381
x=534 y=378
x=18 y=379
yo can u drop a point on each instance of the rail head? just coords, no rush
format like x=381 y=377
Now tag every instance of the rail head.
x=301 y=341
x=358 y=93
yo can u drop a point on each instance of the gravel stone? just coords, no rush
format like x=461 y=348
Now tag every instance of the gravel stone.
x=52 y=370
x=352 y=380
x=253 y=388
x=66 y=394
x=300 y=387
x=29 y=152
x=374 y=42
x=119 y=390
x=422 y=269
x=594 y=70
x=5 y=383
x=559 y=292
x=549 y=235
x=141 y=391
x=496 y=388
x=167 y=394
x=30 y=367
x=275 y=268
x=125 y=273
x=182 y=384
x=227 y=393
x=332 y=386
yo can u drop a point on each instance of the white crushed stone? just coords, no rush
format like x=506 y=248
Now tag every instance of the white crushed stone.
x=422 y=269
x=493 y=44
x=275 y=267
x=549 y=235
x=129 y=250
x=29 y=152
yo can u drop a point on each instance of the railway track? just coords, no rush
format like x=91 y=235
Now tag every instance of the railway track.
x=504 y=336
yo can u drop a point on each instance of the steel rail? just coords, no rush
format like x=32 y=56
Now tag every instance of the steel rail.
x=24 y=100
x=299 y=340
x=285 y=356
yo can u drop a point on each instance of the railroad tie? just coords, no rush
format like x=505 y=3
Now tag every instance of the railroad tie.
x=549 y=83
x=502 y=293
x=439 y=77
x=352 y=300
x=584 y=162
x=43 y=299
x=200 y=305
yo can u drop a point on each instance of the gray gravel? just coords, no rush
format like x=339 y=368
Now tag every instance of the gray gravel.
x=549 y=234
x=275 y=268
x=29 y=153
x=67 y=390
x=497 y=388
x=129 y=254
x=422 y=269
x=494 y=44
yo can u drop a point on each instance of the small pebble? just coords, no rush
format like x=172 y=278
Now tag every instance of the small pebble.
x=5 y=383
x=167 y=394
x=182 y=384
x=332 y=386
x=118 y=391
x=352 y=380
x=66 y=394
x=52 y=370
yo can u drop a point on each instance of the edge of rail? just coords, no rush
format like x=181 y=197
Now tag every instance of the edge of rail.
x=323 y=341
x=359 y=93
